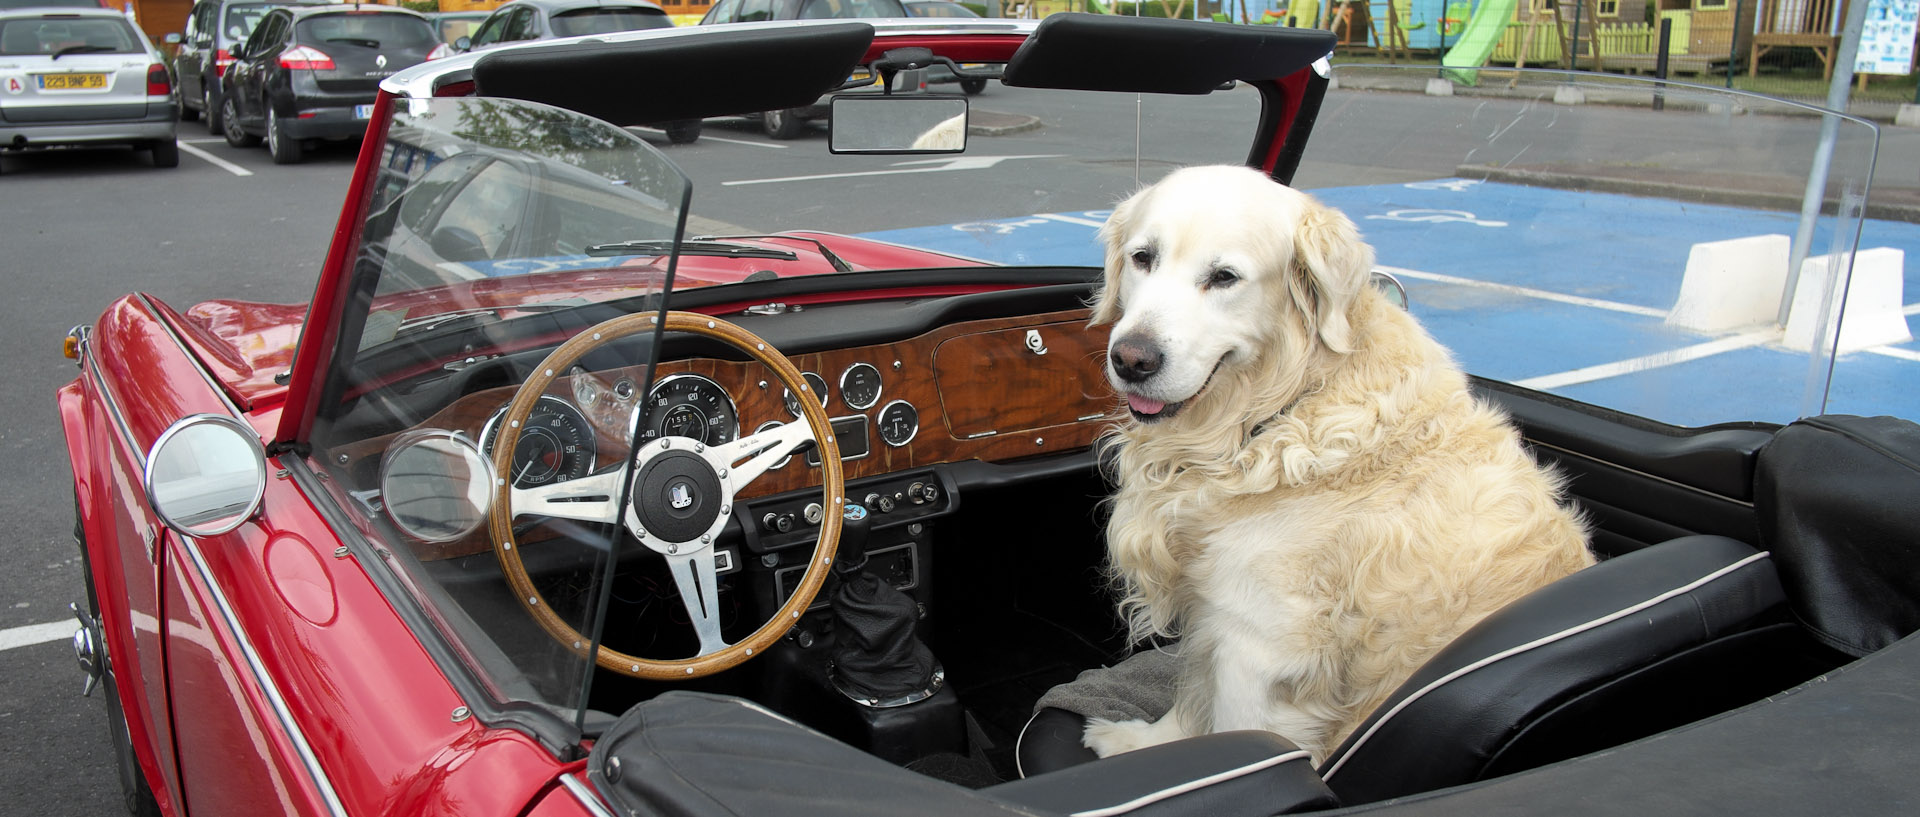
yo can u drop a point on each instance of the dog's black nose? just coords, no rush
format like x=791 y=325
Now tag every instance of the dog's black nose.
x=1134 y=358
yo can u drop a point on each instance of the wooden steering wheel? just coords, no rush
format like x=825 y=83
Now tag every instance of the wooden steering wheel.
x=680 y=493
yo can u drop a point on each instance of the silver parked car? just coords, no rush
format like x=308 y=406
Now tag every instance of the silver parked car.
x=83 y=77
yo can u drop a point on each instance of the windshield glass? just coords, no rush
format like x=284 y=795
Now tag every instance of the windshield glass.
x=243 y=19
x=69 y=35
x=479 y=208
x=607 y=21
x=366 y=29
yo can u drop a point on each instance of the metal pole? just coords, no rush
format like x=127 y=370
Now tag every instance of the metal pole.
x=1837 y=93
x=1660 y=64
x=1733 y=42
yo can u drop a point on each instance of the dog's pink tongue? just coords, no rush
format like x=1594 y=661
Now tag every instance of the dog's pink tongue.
x=1144 y=405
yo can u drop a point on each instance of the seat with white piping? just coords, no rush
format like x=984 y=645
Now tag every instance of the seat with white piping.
x=1632 y=646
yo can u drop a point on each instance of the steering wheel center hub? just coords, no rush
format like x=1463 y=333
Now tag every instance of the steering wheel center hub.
x=676 y=496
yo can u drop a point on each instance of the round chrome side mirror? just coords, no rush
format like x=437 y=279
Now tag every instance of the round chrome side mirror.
x=206 y=475
x=436 y=485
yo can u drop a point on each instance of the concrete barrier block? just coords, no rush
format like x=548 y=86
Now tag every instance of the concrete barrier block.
x=1873 y=302
x=1439 y=86
x=1569 y=95
x=1733 y=283
x=1909 y=115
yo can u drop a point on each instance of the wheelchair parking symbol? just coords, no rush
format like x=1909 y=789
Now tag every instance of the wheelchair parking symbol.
x=1437 y=216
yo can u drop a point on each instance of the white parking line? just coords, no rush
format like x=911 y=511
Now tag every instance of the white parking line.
x=1576 y=300
x=1653 y=361
x=216 y=161
x=37 y=634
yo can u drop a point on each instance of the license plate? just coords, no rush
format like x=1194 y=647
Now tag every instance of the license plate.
x=362 y=111
x=69 y=82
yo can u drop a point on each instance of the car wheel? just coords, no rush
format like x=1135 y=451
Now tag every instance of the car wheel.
x=681 y=133
x=213 y=111
x=134 y=791
x=187 y=113
x=230 y=126
x=973 y=86
x=285 y=149
x=782 y=124
x=166 y=153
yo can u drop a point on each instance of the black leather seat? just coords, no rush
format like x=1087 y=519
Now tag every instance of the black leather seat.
x=1630 y=647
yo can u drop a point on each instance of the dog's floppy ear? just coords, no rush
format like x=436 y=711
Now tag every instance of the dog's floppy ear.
x=1106 y=302
x=1331 y=264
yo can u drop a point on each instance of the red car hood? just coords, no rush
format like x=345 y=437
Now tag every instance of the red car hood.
x=247 y=344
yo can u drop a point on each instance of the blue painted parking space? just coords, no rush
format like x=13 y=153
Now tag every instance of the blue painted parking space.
x=1562 y=291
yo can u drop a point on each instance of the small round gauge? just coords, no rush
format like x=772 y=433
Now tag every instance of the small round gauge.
x=815 y=384
x=860 y=386
x=688 y=405
x=555 y=445
x=899 y=422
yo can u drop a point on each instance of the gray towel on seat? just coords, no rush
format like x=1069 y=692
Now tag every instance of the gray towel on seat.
x=1138 y=688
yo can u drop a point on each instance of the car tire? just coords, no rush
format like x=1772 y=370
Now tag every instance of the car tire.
x=683 y=133
x=135 y=793
x=166 y=153
x=286 y=150
x=973 y=86
x=187 y=113
x=230 y=126
x=213 y=112
x=782 y=124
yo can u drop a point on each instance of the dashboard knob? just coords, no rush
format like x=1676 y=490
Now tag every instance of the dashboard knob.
x=777 y=522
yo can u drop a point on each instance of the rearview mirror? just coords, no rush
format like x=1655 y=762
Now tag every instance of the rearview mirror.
x=173 y=39
x=206 y=475
x=878 y=123
x=463 y=43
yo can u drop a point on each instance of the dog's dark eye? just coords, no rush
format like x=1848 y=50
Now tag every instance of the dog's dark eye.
x=1143 y=258
x=1222 y=278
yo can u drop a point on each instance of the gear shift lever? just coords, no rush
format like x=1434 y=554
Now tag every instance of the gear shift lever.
x=878 y=660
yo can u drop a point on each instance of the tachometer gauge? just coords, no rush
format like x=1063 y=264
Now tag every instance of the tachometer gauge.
x=555 y=445
x=815 y=384
x=860 y=386
x=899 y=422
x=689 y=405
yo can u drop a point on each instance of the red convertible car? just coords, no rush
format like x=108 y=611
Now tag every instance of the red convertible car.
x=596 y=482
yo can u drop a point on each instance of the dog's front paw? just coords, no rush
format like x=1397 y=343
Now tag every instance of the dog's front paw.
x=1108 y=738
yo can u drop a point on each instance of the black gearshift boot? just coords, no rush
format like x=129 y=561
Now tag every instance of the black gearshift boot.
x=876 y=654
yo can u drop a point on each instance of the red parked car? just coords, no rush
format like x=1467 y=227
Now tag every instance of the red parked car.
x=592 y=482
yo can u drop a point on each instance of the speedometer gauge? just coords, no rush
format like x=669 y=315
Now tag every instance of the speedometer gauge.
x=688 y=405
x=555 y=445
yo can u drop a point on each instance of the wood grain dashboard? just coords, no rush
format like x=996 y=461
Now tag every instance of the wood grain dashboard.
x=992 y=390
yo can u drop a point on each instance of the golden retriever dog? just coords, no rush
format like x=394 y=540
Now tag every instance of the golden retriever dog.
x=1308 y=497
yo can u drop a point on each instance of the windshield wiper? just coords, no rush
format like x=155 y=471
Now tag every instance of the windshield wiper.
x=665 y=246
x=82 y=49
x=478 y=313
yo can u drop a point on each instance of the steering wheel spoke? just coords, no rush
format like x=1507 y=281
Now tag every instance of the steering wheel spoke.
x=696 y=575
x=592 y=498
x=752 y=455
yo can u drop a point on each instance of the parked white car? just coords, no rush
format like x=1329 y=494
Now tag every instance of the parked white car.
x=83 y=77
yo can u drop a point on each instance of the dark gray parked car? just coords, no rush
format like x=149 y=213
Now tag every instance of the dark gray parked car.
x=214 y=27
x=312 y=72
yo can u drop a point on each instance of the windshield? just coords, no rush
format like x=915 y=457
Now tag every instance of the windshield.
x=479 y=205
x=606 y=21
x=69 y=35
x=366 y=29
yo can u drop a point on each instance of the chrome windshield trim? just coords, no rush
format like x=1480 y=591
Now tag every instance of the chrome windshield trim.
x=268 y=689
x=584 y=793
x=205 y=376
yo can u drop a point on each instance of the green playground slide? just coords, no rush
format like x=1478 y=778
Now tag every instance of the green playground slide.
x=1483 y=32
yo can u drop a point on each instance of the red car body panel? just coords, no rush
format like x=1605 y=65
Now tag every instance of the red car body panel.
x=307 y=620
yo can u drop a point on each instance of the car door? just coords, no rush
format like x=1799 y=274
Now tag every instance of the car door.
x=246 y=80
x=190 y=63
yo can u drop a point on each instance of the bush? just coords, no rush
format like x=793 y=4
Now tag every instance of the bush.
x=422 y=6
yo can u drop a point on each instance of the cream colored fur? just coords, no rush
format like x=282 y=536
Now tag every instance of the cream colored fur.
x=1329 y=505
